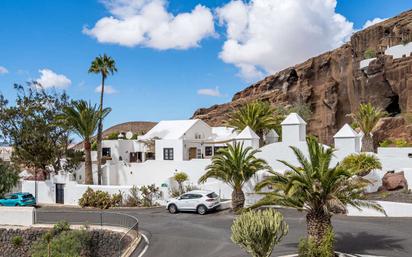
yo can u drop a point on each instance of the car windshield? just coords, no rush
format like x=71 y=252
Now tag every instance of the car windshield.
x=28 y=196
x=212 y=195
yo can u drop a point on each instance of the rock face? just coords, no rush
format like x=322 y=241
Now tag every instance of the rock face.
x=394 y=181
x=334 y=85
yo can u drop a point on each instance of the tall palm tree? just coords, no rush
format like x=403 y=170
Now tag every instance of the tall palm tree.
x=83 y=119
x=104 y=65
x=258 y=115
x=366 y=118
x=234 y=166
x=315 y=187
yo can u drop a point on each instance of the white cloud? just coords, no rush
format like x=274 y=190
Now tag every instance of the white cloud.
x=107 y=89
x=369 y=23
x=50 y=79
x=148 y=23
x=210 y=92
x=3 y=70
x=265 y=36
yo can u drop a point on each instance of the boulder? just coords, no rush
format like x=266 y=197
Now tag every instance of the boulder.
x=394 y=181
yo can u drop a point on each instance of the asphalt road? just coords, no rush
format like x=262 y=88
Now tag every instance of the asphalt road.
x=192 y=235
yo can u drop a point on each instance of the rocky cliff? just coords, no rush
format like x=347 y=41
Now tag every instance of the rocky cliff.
x=334 y=84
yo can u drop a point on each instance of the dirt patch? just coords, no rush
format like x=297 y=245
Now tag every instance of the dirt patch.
x=400 y=196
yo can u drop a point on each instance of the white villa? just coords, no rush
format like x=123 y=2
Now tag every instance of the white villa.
x=189 y=145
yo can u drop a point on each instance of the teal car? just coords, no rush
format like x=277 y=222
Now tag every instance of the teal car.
x=18 y=199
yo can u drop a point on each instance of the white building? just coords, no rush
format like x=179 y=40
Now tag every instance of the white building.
x=189 y=145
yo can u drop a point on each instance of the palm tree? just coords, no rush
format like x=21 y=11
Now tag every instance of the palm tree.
x=234 y=166
x=83 y=118
x=316 y=188
x=258 y=115
x=105 y=65
x=366 y=118
x=361 y=164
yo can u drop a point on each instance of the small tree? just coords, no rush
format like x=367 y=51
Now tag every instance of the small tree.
x=259 y=231
x=133 y=199
x=149 y=194
x=366 y=118
x=181 y=177
x=361 y=164
x=8 y=178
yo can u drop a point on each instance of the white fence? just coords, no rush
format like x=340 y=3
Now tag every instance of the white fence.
x=392 y=209
x=17 y=216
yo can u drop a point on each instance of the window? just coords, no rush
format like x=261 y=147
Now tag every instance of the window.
x=168 y=154
x=195 y=196
x=106 y=152
x=199 y=153
x=212 y=195
x=185 y=197
x=208 y=151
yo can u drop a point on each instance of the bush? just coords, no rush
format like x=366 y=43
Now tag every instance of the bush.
x=369 y=53
x=360 y=164
x=60 y=227
x=259 y=231
x=149 y=194
x=17 y=241
x=98 y=199
x=401 y=143
x=133 y=198
x=113 y=136
x=308 y=248
x=68 y=243
x=117 y=199
x=176 y=192
x=385 y=143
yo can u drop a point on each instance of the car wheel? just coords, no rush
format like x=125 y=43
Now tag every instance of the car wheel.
x=16 y=204
x=172 y=209
x=201 y=209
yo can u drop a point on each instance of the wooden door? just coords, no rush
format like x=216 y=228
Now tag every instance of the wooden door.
x=192 y=153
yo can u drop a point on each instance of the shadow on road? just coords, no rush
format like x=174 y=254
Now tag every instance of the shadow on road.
x=363 y=242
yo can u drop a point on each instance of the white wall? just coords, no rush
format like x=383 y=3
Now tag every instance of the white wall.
x=17 y=216
x=46 y=191
x=346 y=146
x=392 y=209
x=293 y=133
x=177 y=146
x=399 y=50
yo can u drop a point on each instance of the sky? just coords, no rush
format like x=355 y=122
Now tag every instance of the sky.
x=172 y=56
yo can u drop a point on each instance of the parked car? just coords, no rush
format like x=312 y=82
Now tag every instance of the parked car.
x=198 y=200
x=18 y=199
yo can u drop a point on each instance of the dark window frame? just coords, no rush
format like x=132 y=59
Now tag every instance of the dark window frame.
x=208 y=150
x=168 y=154
x=106 y=152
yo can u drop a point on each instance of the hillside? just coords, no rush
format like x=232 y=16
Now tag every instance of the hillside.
x=334 y=84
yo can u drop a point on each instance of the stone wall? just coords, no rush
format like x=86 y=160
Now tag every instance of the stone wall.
x=104 y=243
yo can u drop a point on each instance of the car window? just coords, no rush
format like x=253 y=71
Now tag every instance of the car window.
x=195 y=196
x=14 y=197
x=212 y=195
x=28 y=196
x=185 y=196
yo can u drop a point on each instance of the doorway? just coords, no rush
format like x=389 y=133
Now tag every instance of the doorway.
x=192 y=153
x=60 y=193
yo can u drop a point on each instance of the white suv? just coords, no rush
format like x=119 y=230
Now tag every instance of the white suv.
x=197 y=200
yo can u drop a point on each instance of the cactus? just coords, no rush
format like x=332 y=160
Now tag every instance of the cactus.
x=259 y=231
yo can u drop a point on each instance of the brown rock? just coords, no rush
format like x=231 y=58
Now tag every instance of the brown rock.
x=394 y=181
x=334 y=86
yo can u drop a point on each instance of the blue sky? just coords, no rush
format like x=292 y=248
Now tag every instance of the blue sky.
x=158 y=79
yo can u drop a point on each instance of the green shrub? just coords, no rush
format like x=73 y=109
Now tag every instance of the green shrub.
x=360 y=164
x=73 y=243
x=98 y=199
x=133 y=198
x=149 y=194
x=258 y=232
x=17 y=241
x=113 y=136
x=385 y=143
x=181 y=177
x=117 y=199
x=401 y=143
x=60 y=227
x=176 y=192
x=369 y=53
x=308 y=248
